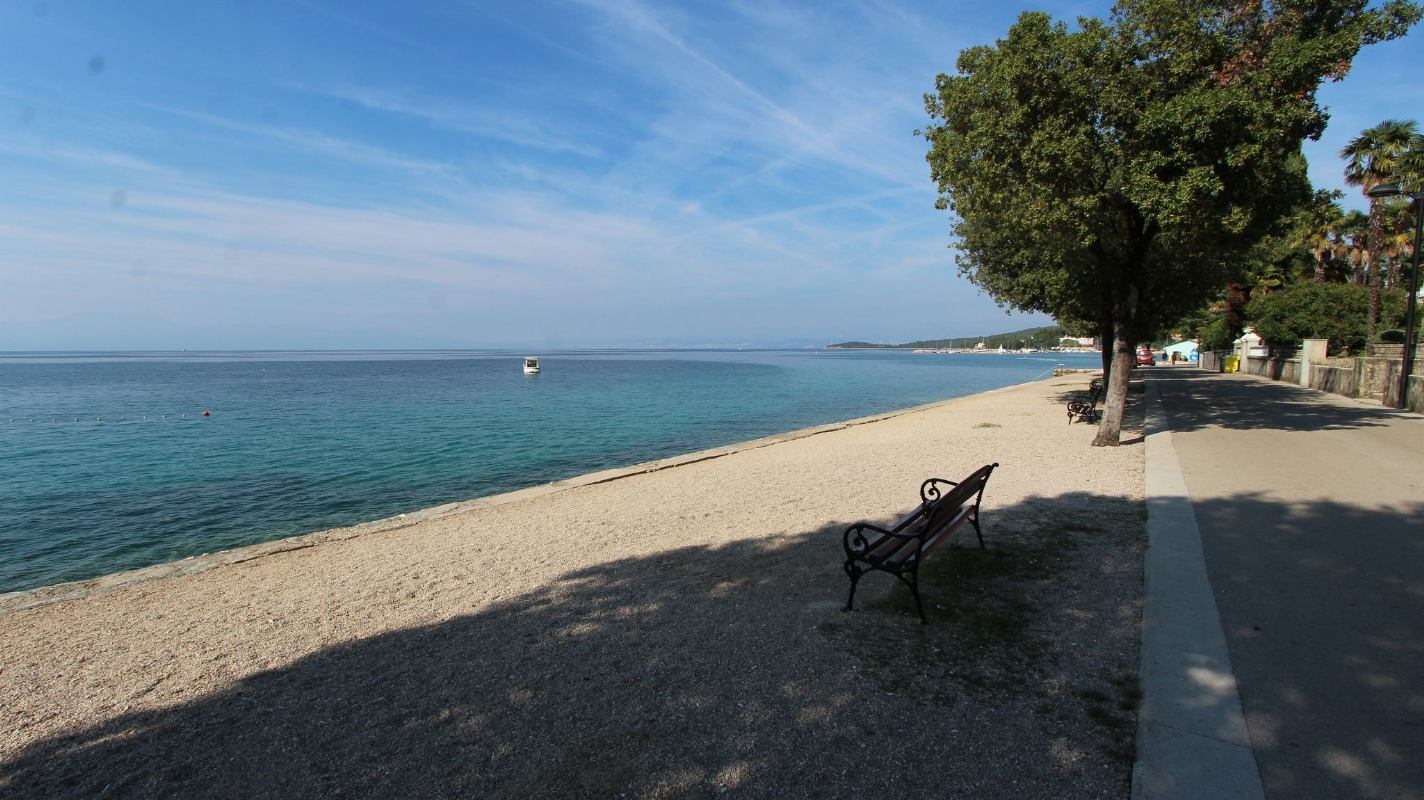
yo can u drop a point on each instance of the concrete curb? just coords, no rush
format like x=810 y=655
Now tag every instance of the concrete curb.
x=1192 y=740
x=60 y=592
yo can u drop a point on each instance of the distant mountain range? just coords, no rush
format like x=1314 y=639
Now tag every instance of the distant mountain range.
x=1037 y=338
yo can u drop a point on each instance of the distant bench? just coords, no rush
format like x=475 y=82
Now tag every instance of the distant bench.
x=900 y=549
x=1087 y=410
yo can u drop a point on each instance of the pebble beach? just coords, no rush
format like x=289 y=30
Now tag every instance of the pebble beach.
x=669 y=630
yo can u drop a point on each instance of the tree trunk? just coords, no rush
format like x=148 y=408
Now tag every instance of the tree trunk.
x=1376 y=283
x=1374 y=242
x=1237 y=296
x=1105 y=339
x=1320 y=256
x=1115 y=401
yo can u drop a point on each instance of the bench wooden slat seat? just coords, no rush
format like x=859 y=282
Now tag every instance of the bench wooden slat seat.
x=944 y=507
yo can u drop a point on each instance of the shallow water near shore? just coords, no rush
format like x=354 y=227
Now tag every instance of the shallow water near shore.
x=109 y=464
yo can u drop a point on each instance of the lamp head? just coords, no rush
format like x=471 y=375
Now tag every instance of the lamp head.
x=1394 y=189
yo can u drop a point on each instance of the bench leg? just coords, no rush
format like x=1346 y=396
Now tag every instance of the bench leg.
x=974 y=520
x=854 y=572
x=914 y=582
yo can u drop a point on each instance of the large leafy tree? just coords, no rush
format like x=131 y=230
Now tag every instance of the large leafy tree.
x=1118 y=170
x=1374 y=157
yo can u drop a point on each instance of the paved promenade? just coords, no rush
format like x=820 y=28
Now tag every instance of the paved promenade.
x=1311 y=517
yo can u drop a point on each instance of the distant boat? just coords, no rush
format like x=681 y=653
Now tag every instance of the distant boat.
x=531 y=365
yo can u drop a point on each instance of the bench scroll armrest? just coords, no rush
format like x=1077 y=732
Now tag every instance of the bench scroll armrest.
x=930 y=491
x=856 y=543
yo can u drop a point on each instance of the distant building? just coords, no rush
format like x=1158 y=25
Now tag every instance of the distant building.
x=1185 y=350
x=1078 y=341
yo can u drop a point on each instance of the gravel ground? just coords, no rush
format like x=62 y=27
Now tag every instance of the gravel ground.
x=672 y=634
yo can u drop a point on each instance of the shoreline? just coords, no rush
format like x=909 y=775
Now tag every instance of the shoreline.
x=110 y=582
x=652 y=632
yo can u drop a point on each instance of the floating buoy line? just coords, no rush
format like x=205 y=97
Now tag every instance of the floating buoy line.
x=54 y=420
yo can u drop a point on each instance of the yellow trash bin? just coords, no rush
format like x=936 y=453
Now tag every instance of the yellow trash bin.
x=1231 y=364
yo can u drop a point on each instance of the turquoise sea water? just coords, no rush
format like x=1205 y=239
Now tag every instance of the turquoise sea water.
x=106 y=463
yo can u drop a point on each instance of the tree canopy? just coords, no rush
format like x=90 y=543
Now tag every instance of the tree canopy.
x=1118 y=170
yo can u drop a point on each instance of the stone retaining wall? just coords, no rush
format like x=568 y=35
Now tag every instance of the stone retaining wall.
x=1336 y=380
x=1371 y=378
x=1416 y=392
x=1278 y=369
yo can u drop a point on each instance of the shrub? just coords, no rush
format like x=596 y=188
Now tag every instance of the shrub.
x=1335 y=311
x=1392 y=309
x=1215 y=335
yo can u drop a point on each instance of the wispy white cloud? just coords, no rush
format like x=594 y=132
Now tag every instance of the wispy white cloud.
x=533 y=35
x=79 y=156
x=314 y=142
x=716 y=109
x=658 y=170
x=505 y=125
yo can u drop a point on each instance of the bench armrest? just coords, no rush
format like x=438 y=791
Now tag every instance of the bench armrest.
x=856 y=545
x=929 y=490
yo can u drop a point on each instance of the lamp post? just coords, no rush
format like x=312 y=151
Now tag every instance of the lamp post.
x=1407 y=368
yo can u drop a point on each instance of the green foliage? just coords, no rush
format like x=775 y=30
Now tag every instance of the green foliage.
x=1394 y=305
x=1215 y=335
x=1380 y=154
x=1335 y=311
x=1040 y=338
x=858 y=345
x=1123 y=170
x=1411 y=164
x=1148 y=152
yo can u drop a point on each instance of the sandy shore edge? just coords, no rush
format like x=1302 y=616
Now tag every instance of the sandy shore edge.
x=104 y=584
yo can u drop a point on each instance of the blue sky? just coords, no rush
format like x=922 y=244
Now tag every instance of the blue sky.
x=314 y=173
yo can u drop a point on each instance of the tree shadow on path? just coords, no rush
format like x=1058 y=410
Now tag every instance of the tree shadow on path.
x=1206 y=399
x=1322 y=605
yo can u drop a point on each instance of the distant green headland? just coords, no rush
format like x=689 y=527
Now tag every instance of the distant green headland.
x=1036 y=338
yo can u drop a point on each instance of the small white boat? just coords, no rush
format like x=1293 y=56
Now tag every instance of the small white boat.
x=531 y=365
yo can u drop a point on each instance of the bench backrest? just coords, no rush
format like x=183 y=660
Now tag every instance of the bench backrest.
x=942 y=507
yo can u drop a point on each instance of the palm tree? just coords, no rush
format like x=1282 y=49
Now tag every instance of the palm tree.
x=1354 y=229
x=1373 y=158
x=1319 y=232
x=1411 y=175
x=1411 y=164
x=1398 y=241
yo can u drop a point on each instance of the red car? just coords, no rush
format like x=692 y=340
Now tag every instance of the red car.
x=1144 y=358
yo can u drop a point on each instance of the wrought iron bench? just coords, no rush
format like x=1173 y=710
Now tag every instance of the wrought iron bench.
x=1087 y=410
x=900 y=549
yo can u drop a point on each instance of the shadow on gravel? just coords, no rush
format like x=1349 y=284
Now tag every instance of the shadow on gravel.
x=692 y=672
x=1199 y=400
